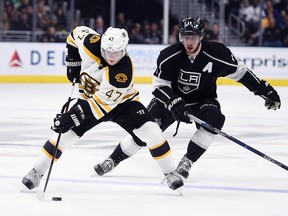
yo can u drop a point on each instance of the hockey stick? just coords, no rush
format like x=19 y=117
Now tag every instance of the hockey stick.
x=206 y=125
x=41 y=194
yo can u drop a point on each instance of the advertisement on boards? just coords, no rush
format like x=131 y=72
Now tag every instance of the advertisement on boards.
x=48 y=59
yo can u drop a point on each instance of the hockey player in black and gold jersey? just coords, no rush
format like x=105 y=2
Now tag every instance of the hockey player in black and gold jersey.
x=104 y=72
x=185 y=81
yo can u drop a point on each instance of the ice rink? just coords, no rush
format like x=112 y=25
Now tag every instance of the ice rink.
x=228 y=180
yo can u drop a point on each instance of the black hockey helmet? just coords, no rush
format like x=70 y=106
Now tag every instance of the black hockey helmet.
x=191 y=26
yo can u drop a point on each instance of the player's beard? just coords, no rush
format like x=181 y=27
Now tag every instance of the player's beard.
x=191 y=49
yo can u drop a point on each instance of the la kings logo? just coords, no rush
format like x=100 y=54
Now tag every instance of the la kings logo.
x=188 y=81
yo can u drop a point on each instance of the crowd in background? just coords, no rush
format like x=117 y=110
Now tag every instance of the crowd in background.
x=268 y=20
x=18 y=16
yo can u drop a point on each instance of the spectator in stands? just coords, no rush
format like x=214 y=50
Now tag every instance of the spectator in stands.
x=29 y=11
x=136 y=36
x=15 y=3
x=146 y=30
x=284 y=31
x=61 y=19
x=272 y=11
x=272 y=34
x=5 y=21
x=23 y=6
x=100 y=27
x=215 y=31
x=211 y=34
x=174 y=36
x=155 y=36
x=14 y=18
x=208 y=33
x=43 y=12
x=23 y=23
x=161 y=27
x=50 y=35
x=252 y=16
x=121 y=21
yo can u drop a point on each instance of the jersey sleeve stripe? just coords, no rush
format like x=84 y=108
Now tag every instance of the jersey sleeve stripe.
x=160 y=65
x=98 y=100
x=91 y=55
x=131 y=97
x=71 y=41
x=219 y=60
x=96 y=109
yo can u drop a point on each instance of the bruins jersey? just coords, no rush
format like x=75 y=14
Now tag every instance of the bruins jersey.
x=195 y=79
x=102 y=85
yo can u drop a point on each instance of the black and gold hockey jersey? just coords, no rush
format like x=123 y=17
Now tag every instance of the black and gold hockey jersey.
x=102 y=85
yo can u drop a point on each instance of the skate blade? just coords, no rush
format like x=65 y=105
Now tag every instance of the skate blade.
x=24 y=189
x=179 y=191
x=94 y=175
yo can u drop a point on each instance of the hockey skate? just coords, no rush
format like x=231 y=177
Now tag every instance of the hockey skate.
x=184 y=167
x=174 y=180
x=32 y=179
x=105 y=167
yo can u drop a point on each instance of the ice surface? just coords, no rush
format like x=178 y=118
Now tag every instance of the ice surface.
x=228 y=180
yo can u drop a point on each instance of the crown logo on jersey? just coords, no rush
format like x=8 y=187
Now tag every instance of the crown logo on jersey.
x=15 y=60
x=94 y=38
x=121 y=77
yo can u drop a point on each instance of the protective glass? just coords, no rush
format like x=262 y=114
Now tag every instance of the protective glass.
x=190 y=38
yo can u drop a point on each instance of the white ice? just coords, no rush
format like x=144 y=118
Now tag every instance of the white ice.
x=228 y=180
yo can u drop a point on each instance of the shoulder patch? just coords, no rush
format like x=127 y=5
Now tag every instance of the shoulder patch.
x=94 y=38
x=121 y=77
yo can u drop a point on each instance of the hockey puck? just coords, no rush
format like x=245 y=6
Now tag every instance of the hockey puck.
x=56 y=198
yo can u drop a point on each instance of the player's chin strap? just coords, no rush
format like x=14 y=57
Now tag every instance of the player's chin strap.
x=177 y=127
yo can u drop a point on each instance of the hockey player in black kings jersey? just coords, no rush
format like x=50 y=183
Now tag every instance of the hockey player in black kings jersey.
x=185 y=81
x=105 y=74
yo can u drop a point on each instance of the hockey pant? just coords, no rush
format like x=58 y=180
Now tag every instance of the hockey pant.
x=131 y=116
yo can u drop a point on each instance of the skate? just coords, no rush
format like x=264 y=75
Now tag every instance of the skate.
x=184 y=167
x=174 y=180
x=32 y=179
x=105 y=167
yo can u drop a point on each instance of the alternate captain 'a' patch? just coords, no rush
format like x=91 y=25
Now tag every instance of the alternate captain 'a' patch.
x=121 y=77
x=188 y=81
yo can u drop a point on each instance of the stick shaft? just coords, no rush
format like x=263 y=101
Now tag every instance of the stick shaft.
x=58 y=139
x=255 y=151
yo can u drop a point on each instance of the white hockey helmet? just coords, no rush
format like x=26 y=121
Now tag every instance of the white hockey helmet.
x=114 y=40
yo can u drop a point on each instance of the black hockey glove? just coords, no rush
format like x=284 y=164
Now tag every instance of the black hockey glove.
x=73 y=118
x=178 y=108
x=269 y=94
x=73 y=68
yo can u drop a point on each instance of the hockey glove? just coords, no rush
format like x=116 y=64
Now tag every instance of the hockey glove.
x=178 y=108
x=73 y=118
x=73 y=68
x=269 y=94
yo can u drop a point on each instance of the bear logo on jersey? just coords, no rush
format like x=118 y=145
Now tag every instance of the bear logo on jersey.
x=94 y=38
x=188 y=81
x=121 y=77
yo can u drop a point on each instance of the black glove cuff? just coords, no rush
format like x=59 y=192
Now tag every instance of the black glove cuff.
x=73 y=61
x=264 y=88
